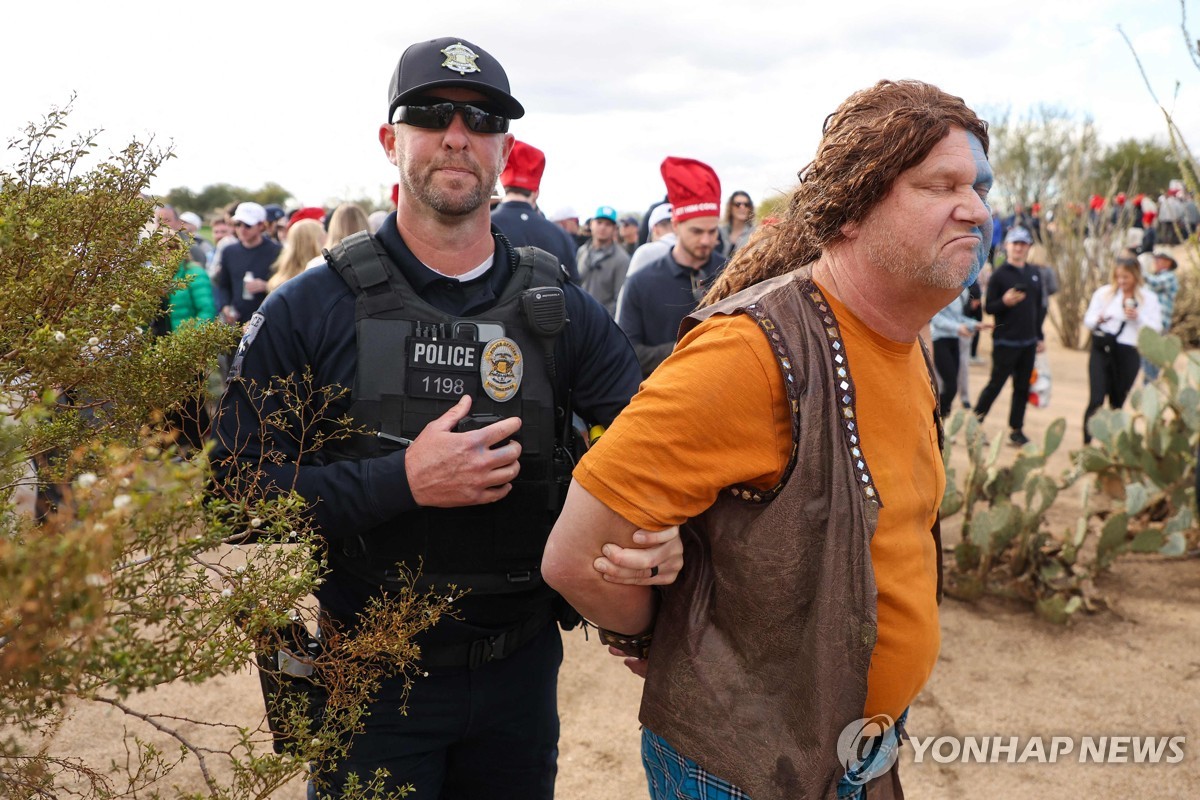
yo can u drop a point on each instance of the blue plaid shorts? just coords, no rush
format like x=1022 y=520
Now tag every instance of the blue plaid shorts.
x=672 y=776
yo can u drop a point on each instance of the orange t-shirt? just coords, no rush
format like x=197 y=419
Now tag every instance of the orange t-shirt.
x=715 y=413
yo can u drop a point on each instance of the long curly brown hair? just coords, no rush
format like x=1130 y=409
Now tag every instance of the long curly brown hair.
x=872 y=137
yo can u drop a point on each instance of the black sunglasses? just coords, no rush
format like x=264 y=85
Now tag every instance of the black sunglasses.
x=437 y=116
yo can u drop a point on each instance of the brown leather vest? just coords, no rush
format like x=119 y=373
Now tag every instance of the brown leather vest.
x=761 y=647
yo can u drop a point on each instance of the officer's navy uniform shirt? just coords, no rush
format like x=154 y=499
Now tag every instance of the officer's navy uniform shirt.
x=309 y=323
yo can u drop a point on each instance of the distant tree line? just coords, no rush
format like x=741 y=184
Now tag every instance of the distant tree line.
x=221 y=195
x=1033 y=155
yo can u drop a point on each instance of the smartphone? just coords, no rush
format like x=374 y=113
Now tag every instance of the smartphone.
x=1020 y=287
x=478 y=331
x=473 y=422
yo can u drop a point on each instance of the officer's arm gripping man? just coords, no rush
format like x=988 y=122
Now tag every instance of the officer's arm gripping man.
x=584 y=526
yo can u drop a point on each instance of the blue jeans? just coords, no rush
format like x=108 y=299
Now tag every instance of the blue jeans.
x=672 y=776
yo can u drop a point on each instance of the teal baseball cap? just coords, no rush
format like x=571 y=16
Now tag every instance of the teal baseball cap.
x=606 y=212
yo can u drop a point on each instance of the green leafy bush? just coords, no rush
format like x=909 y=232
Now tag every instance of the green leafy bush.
x=132 y=574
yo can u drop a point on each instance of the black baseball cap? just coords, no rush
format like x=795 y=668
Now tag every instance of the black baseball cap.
x=450 y=61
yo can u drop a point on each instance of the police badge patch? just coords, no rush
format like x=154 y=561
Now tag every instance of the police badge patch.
x=460 y=59
x=502 y=369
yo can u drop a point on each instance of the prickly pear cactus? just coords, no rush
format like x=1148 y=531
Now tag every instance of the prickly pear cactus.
x=1004 y=549
x=1138 y=477
x=1145 y=454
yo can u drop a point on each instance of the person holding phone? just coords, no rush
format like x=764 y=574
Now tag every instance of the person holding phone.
x=1115 y=316
x=1014 y=298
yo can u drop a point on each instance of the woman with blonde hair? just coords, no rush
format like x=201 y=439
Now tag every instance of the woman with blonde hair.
x=346 y=219
x=1115 y=316
x=304 y=241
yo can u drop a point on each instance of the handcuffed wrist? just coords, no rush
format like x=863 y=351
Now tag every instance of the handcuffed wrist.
x=635 y=645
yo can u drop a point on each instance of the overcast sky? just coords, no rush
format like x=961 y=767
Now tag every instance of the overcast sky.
x=254 y=92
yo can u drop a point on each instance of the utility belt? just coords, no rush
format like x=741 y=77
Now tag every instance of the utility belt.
x=287 y=659
x=292 y=691
x=475 y=654
x=482 y=584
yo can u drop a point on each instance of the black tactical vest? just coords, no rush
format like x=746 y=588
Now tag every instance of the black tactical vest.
x=414 y=363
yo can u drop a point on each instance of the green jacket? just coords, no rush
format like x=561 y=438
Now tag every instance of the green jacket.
x=195 y=300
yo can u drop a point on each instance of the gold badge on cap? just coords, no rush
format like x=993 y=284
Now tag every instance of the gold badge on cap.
x=502 y=369
x=460 y=59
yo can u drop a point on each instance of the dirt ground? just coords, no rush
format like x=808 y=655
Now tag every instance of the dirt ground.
x=1002 y=671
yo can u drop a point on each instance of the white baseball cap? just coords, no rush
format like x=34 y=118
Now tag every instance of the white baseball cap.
x=660 y=213
x=250 y=214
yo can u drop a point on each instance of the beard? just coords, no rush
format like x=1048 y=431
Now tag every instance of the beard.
x=942 y=274
x=698 y=252
x=448 y=201
x=922 y=268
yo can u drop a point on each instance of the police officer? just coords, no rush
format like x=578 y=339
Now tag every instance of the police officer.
x=466 y=359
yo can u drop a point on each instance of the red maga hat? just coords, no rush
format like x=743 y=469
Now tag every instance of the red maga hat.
x=693 y=189
x=524 y=168
x=308 y=212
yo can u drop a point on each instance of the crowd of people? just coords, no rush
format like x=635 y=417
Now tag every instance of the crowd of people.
x=471 y=330
x=1141 y=222
x=256 y=248
x=1017 y=298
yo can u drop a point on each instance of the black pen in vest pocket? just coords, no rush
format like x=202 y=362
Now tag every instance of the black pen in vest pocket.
x=398 y=439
